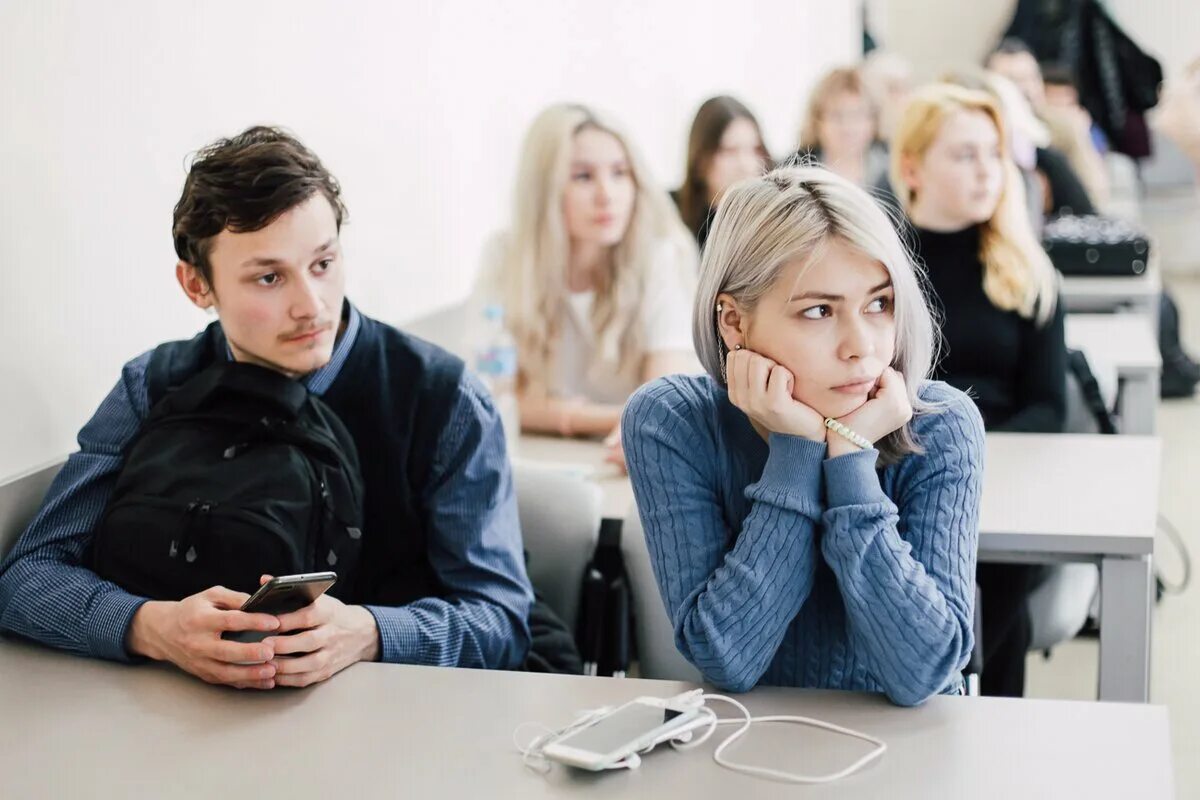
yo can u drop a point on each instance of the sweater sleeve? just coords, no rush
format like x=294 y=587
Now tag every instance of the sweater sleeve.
x=730 y=595
x=1042 y=383
x=906 y=570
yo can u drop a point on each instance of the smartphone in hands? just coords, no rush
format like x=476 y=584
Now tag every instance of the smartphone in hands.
x=282 y=595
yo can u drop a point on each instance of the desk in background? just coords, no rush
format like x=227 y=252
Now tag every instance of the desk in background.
x=1138 y=293
x=1128 y=344
x=74 y=727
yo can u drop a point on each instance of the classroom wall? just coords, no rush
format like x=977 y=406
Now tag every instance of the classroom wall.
x=418 y=107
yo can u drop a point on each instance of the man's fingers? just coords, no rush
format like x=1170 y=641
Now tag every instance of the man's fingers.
x=242 y=621
x=241 y=652
x=308 y=617
x=256 y=685
x=311 y=662
x=215 y=671
x=221 y=597
x=304 y=642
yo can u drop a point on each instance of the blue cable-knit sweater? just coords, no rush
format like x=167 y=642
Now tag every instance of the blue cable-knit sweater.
x=780 y=566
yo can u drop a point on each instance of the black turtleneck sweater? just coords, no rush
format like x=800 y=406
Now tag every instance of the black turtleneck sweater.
x=1015 y=370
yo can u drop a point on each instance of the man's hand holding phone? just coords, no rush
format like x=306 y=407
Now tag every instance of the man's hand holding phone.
x=320 y=640
x=188 y=634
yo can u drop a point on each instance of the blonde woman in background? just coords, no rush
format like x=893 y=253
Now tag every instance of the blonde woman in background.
x=1001 y=319
x=840 y=126
x=596 y=276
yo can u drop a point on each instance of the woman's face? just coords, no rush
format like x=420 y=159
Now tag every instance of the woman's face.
x=830 y=323
x=844 y=125
x=599 y=196
x=959 y=179
x=738 y=156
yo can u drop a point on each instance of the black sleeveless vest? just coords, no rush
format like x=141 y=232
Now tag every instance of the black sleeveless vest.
x=394 y=393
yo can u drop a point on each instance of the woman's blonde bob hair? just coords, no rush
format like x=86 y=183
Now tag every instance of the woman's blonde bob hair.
x=1018 y=275
x=763 y=224
x=535 y=252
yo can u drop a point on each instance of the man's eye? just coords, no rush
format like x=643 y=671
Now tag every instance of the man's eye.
x=270 y=279
x=817 y=312
x=324 y=264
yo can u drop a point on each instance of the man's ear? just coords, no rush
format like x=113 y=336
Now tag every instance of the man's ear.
x=194 y=285
x=731 y=321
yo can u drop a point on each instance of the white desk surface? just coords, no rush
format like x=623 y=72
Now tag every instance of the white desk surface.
x=75 y=727
x=1117 y=288
x=583 y=457
x=1126 y=341
x=1070 y=493
x=1043 y=493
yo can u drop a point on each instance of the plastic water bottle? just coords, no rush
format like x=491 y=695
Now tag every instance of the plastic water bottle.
x=496 y=365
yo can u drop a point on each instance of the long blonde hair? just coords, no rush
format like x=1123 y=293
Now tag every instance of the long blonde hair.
x=1018 y=275
x=762 y=224
x=533 y=264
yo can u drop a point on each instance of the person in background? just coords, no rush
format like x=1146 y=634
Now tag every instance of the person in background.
x=1001 y=319
x=839 y=129
x=888 y=81
x=595 y=275
x=811 y=505
x=1178 y=114
x=1070 y=127
x=725 y=146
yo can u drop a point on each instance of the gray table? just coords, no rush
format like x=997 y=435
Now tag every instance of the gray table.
x=1138 y=293
x=74 y=727
x=1083 y=497
x=1047 y=498
x=1129 y=344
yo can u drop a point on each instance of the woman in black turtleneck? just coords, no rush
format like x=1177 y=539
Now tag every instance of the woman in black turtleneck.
x=997 y=291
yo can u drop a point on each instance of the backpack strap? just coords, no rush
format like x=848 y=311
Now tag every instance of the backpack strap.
x=272 y=389
x=1078 y=364
x=172 y=364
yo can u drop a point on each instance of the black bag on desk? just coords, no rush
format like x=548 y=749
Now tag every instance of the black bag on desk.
x=238 y=472
x=1096 y=246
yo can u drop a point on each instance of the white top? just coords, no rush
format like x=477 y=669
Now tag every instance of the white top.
x=665 y=317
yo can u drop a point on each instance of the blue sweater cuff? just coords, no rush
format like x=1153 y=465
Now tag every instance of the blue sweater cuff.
x=851 y=480
x=793 y=472
x=108 y=624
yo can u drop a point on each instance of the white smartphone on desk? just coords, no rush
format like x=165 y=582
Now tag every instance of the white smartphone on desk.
x=626 y=729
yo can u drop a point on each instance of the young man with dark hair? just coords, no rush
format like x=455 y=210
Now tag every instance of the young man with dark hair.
x=441 y=579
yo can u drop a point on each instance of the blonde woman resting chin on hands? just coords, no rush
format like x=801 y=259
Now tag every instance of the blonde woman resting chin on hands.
x=811 y=504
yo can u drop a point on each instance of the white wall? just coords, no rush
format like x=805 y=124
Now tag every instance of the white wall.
x=418 y=108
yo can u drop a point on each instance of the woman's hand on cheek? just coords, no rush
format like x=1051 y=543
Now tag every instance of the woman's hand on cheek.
x=887 y=411
x=763 y=390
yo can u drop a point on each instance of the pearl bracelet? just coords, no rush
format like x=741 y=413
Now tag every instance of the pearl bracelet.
x=847 y=433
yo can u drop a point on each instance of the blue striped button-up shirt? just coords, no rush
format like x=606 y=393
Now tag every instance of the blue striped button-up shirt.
x=474 y=540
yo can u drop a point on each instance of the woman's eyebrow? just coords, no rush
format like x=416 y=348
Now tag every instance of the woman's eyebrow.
x=834 y=298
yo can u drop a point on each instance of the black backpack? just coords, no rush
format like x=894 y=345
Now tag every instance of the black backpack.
x=238 y=472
